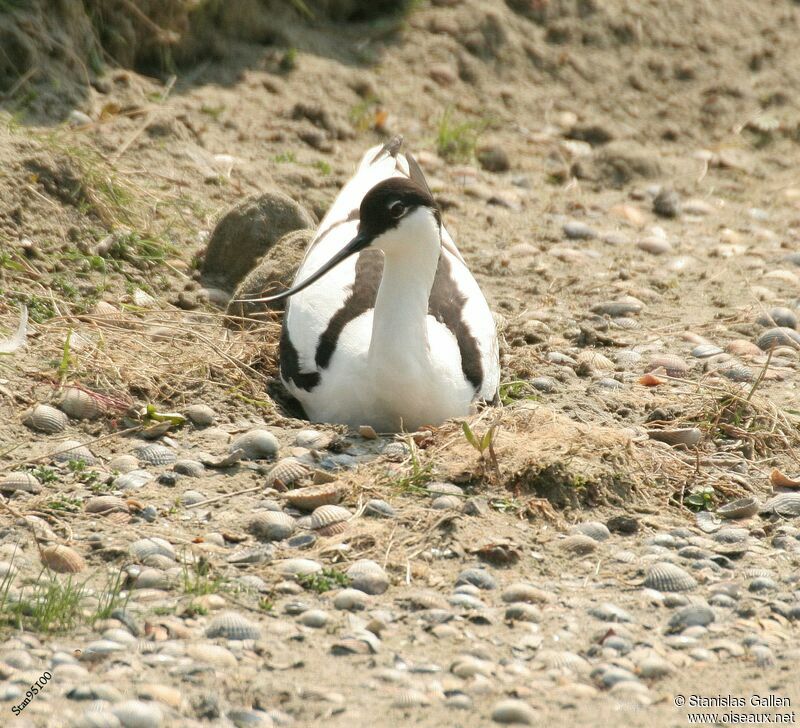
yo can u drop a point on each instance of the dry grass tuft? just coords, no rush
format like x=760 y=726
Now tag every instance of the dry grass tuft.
x=165 y=355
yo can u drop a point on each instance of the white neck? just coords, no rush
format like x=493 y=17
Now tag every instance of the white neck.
x=399 y=325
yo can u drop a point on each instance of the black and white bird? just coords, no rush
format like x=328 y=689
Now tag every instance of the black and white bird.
x=386 y=325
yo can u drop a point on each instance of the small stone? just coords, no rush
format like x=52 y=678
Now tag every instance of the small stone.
x=576 y=230
x=695 y=615
x=201 y=415
x=608 y=612
x=351 y=600
x=493 y=158
x=623 y=524
x=667 y=203
x=513 y=712
x=315 y=618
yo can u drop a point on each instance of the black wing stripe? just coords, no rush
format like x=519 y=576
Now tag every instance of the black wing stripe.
x=446 y=305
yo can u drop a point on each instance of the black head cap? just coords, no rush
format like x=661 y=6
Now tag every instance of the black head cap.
x=388 y=202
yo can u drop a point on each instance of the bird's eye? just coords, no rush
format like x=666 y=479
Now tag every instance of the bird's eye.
x=397 y=210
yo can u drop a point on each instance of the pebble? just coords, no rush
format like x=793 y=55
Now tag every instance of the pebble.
x=351 y=600
x=513 y=712
x=315 y=618
x=667 y=203
x=694 y=615
x=608 y=612
x=576 y=230
x=201 y=415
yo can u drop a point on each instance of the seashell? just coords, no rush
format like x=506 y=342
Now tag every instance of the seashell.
x=703 y=351
x=625 y=323
x=686 y=436
x=72 y=450
x=410 y=698
x=138 y=714
x=256 y=444
x=62 y=559
x=132 y=480
x=155 y=454
x=233 y=626
x=622 y=307
x=272 y=525
x=327 y=515
x=673 y=365
x=201 y=415
x=286 y=472
x=780 y=317
x=105 y=504
x=562 y=660
x=579 y=544
x=741 y=508
x=332 y=529
x=735 y=371
x=595 y=361
x=123 y=463
x=707 y=522
x=742 y=347
x=80 y=404
x=779 y=480
x=441 y=488
x=314 y=496
x=368 y=576
x=312 y=439
x=45 y=418
x=666 y=577
x=152 y=578
x=143 y=299
x=298 y=567
x=447 y=502
x=593 y=529
x=103 y=309
x=19 y=481
x=778 y=336
x=628 y=359
x=145 y=547
x=190 y=468
x=783 y=504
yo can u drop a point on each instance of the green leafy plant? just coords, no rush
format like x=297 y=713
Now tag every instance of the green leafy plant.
x=417 y=476
x=456 y=140
x=700 y=499
x=44 y=474
x=516 y=391
x=323 y=581
x=65 y=503
x=198 y=579
x=483 y=444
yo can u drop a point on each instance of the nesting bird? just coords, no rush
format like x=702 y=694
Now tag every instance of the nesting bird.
x=386 y=326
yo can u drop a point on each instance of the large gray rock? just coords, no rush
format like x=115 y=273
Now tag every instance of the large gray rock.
x=273 y=273
x=248 y=231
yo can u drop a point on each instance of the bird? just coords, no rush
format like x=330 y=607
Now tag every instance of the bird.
x=384 y=324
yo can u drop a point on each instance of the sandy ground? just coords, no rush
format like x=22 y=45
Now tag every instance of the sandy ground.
x=623 y=183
